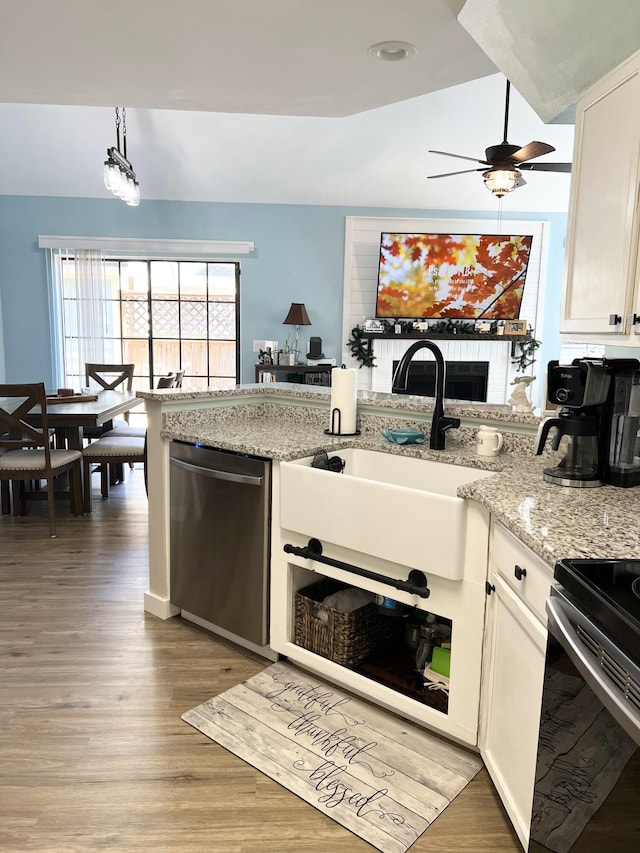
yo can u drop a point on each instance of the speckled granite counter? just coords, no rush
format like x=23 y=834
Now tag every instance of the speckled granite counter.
x=560 y=522
x=367 y=401
x=553 y=521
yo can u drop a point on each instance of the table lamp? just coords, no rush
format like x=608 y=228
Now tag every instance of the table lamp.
x=297 y=317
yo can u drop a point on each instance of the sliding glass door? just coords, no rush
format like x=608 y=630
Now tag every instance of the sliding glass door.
x=163 y=316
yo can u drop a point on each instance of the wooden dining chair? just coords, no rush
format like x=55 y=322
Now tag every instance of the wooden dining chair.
x=109 y=377
x=167 y=381
x=110 y=452
x=28 y=454
x=123 y=444
x=5 y=498
x=126 y=431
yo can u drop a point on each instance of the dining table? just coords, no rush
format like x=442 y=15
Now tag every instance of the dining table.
x=97 y=410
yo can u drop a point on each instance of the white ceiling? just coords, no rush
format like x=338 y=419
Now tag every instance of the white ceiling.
x=277 y=57
x=273 y=101
x=554 y=50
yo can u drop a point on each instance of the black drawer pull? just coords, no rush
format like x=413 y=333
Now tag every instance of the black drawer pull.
x=489 y=588
x=520 y=572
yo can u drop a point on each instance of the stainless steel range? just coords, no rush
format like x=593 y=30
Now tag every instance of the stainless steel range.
x=587 y=790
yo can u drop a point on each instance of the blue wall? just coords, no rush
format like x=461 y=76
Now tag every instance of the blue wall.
x=299 y=257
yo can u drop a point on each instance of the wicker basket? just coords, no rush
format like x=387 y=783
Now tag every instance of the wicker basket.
x=345 y=638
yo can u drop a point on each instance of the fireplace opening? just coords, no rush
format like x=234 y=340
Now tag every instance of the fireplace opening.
x=464 y=380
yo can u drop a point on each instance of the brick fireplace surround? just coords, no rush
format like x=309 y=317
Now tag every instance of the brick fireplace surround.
x=495 y=354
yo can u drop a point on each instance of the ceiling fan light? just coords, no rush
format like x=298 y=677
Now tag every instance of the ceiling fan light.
x=501 y=181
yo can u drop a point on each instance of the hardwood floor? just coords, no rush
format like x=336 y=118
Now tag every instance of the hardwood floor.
x=93 y=753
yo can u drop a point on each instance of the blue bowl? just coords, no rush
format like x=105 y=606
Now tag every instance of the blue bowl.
x=403 y=436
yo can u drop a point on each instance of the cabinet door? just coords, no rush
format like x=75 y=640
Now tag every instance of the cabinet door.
x=602 y=241
x=511 y=694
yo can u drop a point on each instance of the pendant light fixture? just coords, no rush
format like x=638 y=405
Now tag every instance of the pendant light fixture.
x=119 y=176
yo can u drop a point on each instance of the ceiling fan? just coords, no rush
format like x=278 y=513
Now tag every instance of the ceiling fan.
x=503 y=164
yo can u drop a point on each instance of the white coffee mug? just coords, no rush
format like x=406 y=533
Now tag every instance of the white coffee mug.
x=489 y=441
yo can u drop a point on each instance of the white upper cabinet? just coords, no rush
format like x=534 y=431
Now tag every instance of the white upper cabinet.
x=602 y=293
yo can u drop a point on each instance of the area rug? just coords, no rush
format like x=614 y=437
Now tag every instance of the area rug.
x=380 y=777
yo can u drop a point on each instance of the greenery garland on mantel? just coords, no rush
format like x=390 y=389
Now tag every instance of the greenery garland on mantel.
x=523 y=354
x=360 y=349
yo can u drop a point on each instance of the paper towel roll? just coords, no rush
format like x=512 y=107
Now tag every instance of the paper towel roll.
x=344 y=401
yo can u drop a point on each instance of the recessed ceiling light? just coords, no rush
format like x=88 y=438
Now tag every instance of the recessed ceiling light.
x=392 y=51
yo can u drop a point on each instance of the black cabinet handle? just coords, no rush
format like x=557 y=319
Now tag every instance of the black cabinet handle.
x=489 y=588
x=520 y=572
x=614 y=319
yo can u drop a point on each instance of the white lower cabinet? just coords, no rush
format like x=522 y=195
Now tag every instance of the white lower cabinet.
x=388 y=679
x=512 y=677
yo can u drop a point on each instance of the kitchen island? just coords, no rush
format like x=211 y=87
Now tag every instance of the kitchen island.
x=516 y=527
x=283 y=422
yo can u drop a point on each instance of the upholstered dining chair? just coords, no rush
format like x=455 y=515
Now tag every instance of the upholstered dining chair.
x=127 y=431
x=107 y=452
x=179 y=378
x=108 y=377
x=124 y=444
x=28 y=454
x=168 y=381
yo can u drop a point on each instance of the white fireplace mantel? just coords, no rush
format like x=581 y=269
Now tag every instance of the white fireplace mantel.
x=497 y=353
x=362 y=254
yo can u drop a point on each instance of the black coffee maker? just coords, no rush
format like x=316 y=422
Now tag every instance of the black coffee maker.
x=620 y=447
x=599 y=422
x=581 y=389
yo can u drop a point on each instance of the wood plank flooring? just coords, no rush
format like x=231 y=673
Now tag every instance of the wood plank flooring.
x=93 y=753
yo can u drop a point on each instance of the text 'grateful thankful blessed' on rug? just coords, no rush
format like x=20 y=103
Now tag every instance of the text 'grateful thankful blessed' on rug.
x=381 y=778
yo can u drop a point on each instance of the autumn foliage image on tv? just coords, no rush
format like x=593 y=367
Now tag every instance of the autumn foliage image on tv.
x=453 y=276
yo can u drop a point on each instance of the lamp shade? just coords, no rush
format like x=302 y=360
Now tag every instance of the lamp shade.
x=297 y=315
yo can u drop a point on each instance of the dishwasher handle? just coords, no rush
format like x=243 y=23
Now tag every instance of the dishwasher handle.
x=214 y=474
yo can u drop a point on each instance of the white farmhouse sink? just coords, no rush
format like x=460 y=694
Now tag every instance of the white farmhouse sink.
x=393 y=507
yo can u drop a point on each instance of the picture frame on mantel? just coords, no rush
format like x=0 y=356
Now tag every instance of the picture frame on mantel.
x=515 y=327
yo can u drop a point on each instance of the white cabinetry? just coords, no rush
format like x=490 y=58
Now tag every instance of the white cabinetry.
x=513 y=672
x=602 y=297
x=461 y=601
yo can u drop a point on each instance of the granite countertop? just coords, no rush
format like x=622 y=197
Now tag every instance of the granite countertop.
x=367 y=400
x=553 y=521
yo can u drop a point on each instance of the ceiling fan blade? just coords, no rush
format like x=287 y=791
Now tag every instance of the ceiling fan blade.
x=459 y=156
x=545 y=167
x=533 y=149
x=463 y=172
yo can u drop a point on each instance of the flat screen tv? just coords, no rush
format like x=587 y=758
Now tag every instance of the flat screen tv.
x=452 y=276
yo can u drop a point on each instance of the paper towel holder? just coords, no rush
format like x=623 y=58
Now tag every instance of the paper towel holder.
x=336 y=416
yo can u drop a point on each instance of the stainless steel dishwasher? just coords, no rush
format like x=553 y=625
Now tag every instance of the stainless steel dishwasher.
x=220 y=514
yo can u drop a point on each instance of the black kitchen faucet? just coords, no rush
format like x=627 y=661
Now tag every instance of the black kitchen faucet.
x=439 y=423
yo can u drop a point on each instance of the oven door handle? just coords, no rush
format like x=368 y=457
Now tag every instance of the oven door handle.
x=620 y=709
